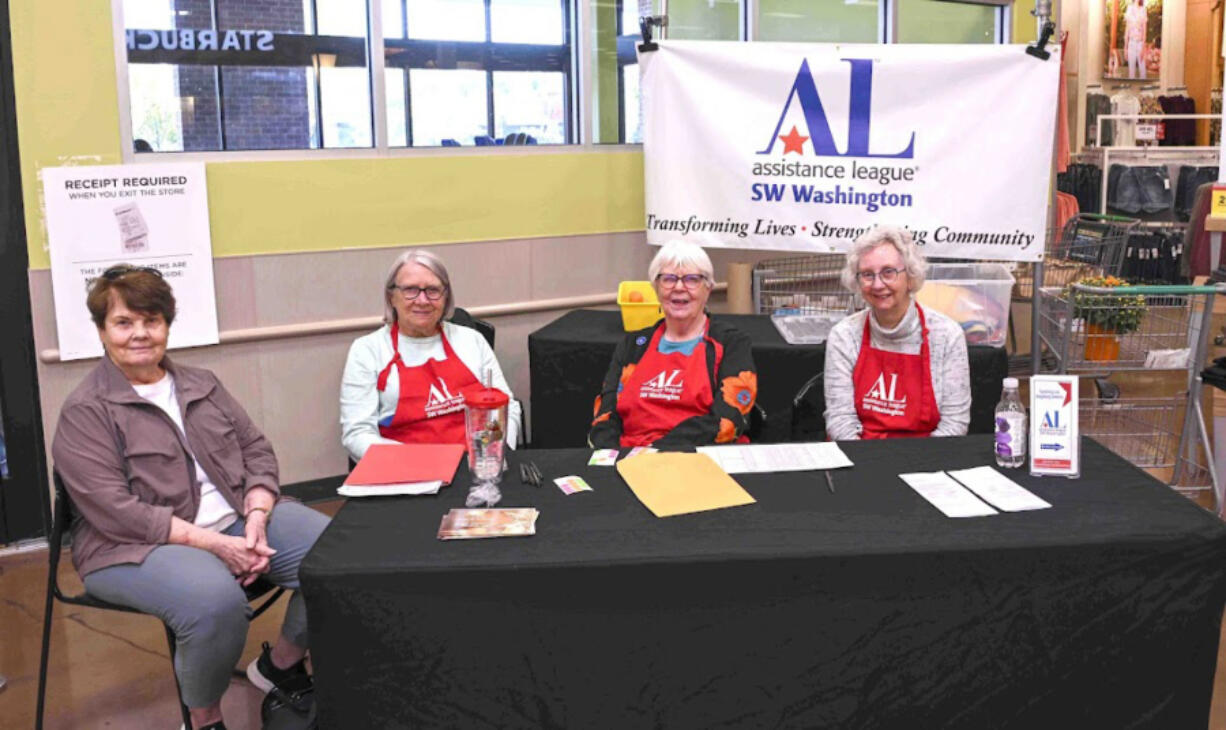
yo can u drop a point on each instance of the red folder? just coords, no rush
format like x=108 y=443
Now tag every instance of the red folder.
x=407 y=463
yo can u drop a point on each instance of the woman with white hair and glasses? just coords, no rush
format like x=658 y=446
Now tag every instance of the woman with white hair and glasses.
x=894 y=369
x=404 y=382
x=684 y=381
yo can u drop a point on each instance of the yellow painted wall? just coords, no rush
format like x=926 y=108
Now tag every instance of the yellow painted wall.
x=67 y=113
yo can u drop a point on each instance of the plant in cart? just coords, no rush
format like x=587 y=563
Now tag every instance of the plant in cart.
x=1105 y=316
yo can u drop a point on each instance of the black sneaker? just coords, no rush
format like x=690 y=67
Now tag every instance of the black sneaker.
x=267 y=677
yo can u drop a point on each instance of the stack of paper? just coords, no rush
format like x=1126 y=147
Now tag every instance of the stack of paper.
x=388 y=469
x=472 y=524
x=967 y=492
x=777 y=457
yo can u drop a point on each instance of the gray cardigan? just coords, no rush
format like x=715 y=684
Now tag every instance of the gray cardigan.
x=951 y=375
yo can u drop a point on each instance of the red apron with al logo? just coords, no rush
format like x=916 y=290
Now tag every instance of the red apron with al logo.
x=431 y=408
x=663 y=391
x=893 y=390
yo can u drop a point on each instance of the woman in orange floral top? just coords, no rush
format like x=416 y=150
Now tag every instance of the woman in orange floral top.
x=684 y=381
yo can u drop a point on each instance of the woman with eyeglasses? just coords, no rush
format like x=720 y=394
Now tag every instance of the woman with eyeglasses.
x=404 y=382
x=894 y=369
x=684 y=381
x=177 y=499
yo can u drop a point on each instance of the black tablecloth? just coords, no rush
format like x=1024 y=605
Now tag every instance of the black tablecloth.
x=866 y=608
x=569 y=357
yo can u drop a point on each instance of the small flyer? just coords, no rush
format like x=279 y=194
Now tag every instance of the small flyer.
x=1055 y=444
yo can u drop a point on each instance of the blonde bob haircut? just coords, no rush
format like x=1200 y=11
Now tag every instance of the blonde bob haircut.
x=682 y=255
x=433 y=264
x=901 y=240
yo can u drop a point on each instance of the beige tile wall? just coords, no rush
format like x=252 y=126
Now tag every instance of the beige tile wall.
x=290 y=386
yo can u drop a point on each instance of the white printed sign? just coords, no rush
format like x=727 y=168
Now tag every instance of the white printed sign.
x=1055 y=442
x=802 y=147
x=145 y=215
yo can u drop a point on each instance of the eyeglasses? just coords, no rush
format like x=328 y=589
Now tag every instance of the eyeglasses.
x=433 y=293
x=887 y=276
x=691 y=281
x=119 y=270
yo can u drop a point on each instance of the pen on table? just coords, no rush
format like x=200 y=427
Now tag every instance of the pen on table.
x=829 y=481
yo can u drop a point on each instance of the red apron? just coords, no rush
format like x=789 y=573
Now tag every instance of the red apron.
x=893 y=391
x=431 y=408
x=663 y=391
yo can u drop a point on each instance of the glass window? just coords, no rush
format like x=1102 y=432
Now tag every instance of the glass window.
x=817 y=21
x=393 y=19
x=633 y=116
x=448 y=105
x=939 y=21
x=527 y=21
x=446 y=20
x=259 y=78
x=532 y=103
x=514 y=80
x=704 y=20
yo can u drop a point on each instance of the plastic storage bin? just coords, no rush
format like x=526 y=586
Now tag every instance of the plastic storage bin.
x=975 y=296
x=637 y=315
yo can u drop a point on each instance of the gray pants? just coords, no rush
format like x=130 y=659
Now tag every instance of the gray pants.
x=193 y=592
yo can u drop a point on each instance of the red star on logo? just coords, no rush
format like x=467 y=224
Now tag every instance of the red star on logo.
x=793 y=142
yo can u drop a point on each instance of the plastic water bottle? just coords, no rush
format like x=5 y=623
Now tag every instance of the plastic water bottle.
x=1010 y=427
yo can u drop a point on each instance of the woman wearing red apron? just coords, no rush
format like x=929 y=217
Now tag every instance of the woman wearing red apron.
x=403 y=382
x=895 y=369
x=684 y=381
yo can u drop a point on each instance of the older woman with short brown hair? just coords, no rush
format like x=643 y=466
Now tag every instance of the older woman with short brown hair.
x=179 y=499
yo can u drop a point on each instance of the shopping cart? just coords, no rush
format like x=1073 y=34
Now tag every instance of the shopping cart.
x=802 y=285
x=1087 y=245
x=1108 y=329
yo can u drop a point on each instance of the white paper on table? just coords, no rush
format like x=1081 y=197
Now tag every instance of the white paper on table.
x=947 y=495
x=388 y=490
x=757 y=458
x=998 y=489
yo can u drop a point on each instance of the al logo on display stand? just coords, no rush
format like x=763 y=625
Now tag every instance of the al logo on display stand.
x=804 y=147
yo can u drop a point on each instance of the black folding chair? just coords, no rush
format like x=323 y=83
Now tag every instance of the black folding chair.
x=463 y=318
x=61 y=519
x=809 y=411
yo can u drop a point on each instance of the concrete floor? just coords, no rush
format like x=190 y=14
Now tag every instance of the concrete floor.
x=112 y=670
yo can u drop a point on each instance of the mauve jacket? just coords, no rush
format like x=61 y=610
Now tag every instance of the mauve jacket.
x=126 y=465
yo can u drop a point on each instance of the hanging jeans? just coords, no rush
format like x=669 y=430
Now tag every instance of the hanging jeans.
x=1139 y=189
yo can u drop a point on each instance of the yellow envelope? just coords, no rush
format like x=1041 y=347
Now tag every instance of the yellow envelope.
x=677 y=484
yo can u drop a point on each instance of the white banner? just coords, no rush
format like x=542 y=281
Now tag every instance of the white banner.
x=802 y=147
x=145 y=215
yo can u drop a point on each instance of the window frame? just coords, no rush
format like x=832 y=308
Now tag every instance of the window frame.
x=578 y=75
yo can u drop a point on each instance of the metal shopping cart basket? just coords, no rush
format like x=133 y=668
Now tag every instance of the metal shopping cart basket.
x=802 y=285
x=1087 y=245
x=1107 y=329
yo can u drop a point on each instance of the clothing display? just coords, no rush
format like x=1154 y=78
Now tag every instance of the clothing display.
x=1198 y=258
x=1152 y=257
x=1067 y=209
x=1125 y=102
x=364 y=407
x=1139 y=189
x=1084 y=182
x=1178 y=132
x=1189 y=181
x=1098 y=103
x=676 y=400
x=949 y=377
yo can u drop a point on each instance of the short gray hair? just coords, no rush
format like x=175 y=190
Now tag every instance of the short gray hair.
x=901 y=240
x=682 y=254
x=422 y=258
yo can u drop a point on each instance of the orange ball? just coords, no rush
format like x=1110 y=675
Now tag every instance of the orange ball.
x=634 y=296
